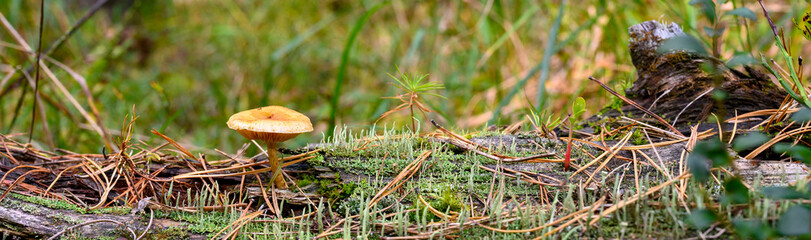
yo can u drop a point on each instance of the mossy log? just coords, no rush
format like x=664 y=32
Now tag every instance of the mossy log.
x=26 y=219
x=20 y=219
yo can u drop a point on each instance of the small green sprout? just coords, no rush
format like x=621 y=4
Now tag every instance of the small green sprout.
x=412 y=87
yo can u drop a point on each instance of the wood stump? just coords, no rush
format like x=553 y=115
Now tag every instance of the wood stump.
x=676 y=83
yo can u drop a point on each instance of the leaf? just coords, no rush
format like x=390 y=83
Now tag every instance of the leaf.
x=803 y=116
x=707 y=7
x=719 y=94
x=798 y=152
x=743 y=12
x=780 y=192
x=698 y=168
x=735 y=192
x=684 y=43
x=750 y=140
x=752 y=229
x=714 y=32
x=578 y=107
x=804 y=25
x=796 y=221
x=714 y=150
x=742 y=59
x=702 y=218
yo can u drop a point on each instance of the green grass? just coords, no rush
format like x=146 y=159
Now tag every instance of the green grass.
x=59 y=204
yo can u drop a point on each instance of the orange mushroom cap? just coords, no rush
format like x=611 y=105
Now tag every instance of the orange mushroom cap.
x=270 y=124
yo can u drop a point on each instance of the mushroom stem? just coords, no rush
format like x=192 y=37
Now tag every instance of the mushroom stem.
x=275 y=164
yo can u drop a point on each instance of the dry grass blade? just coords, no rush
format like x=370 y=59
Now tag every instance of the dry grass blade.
x=764 y=112
x=632 y=103
x=557 y=221
x=624 y=203
x=702 y=135
x=56 y=82
x=20 y=178
x=652 y=163
x=207 y=173
x=676 y=119
x=668 y=133
x=440 y=215
x=238 y=224
x=578 y=218
x=464 y=143
x=614 y=151
x=400 y=179
x=611 y=152
x=776 y=139
x=177 y=145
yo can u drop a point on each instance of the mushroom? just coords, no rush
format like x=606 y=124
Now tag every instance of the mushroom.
x=272 y=124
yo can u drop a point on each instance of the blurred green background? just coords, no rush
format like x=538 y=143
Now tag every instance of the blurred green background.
x=186 y=65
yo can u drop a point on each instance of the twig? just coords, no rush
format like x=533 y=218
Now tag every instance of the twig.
x=148 y=226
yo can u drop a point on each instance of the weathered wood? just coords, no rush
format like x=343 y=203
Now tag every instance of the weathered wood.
x=22 y=219
x=770 y=172
x=667 y=82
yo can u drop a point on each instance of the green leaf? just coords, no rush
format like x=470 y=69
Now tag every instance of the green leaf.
x=752 y=229
x=712 y=32
x=798 y=152
x=743 y=12
x=780 y=192
x=802 y=116
x=698 y=168
x=684 y=43
x=714 y=150
x=748 y=141
x=735 y=192
x=578 y=107
x=719 y=94
x=796 y=221
x=707 y=7
x=804 y=25
x=702 y=218
x=742 y=59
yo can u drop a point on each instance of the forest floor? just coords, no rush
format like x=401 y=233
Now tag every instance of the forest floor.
x=503 y=184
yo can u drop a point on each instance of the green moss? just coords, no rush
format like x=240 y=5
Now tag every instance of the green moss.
x=305 y=180
x=343 y=190
x=168 y=233
x=201 y=222
x=59 y=204
x=58 y=217
x=329 y=188
x=485 y=133
x=30 y=209
x=446 y=201
x=318 y=160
